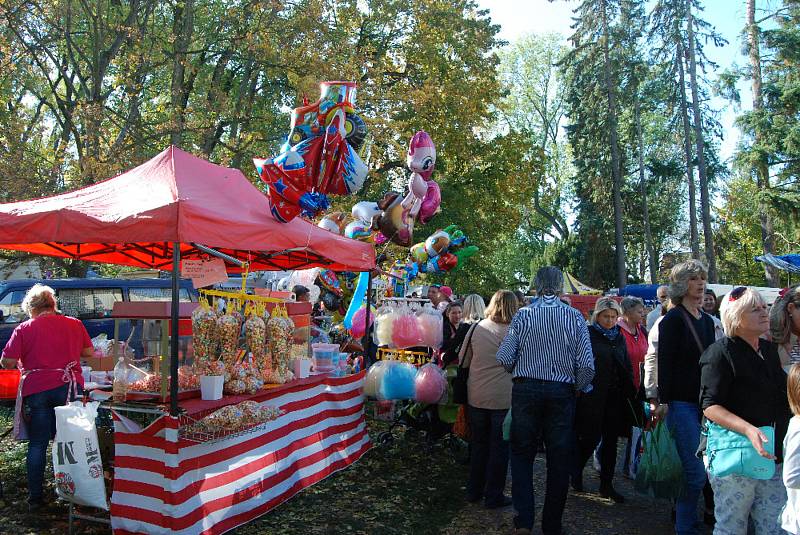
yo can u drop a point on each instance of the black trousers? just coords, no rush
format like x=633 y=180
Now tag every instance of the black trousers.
x=608 y=456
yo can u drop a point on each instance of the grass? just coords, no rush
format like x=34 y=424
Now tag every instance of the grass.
x=404 y=486
x=12 y=454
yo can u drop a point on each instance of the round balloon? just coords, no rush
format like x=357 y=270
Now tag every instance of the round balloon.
x=331 y=301
x=418 y=252
x=437 y=243
x=358 y=230
x=334 y=222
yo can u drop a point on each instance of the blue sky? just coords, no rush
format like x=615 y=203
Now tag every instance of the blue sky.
x=520 y=17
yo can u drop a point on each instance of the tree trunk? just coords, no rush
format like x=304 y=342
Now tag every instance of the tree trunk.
x=687 y=152
x=648 y=236
x=705 y=201
x=182 y=26
x=761 y=166
x=619 y=241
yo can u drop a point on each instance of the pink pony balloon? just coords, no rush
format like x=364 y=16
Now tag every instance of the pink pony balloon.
x=400 y=214
x=421 y=159
x=431 y=202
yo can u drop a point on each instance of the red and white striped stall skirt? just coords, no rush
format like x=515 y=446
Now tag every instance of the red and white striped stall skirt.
x=166 y=484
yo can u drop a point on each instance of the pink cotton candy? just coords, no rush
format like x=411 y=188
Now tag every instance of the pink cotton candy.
x=430 y=384
x=405 y=332
x=430 y=327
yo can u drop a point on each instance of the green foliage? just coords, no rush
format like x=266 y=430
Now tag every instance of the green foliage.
x=774 y=132
x=739 y=235
x=218 y=77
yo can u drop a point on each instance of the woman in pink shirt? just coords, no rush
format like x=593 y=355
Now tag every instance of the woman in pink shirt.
x=630 y=323
x=47 y=348
x=635 y=335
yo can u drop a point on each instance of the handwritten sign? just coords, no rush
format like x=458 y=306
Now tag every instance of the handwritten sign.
x=204 y=272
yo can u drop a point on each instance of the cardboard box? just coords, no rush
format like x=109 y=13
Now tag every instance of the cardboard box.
x=100 y=364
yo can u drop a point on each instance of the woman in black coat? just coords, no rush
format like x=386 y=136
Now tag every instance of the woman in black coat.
x=607 y=411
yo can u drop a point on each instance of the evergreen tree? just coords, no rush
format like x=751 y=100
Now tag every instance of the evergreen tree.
x=592 y=72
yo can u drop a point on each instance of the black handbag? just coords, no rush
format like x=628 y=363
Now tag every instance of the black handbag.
x=462 y=372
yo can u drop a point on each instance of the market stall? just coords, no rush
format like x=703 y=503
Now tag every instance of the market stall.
x=177 y=207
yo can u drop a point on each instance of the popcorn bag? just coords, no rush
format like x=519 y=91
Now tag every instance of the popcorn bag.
x=77 y=466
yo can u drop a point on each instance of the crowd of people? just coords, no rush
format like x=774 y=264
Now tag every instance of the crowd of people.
x=719 y=373
x=713 y=371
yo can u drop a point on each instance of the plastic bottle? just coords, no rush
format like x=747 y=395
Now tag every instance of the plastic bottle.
x=120 y=380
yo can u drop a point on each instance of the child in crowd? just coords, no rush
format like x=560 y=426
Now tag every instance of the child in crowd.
x=790 y=518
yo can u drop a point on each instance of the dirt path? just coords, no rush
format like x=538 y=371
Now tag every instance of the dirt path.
x=585 y=513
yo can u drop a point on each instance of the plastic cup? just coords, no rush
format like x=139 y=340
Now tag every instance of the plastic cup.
x=301 y=368
x=211 y=387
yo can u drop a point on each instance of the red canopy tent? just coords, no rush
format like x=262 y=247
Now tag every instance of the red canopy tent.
x=134 y=218
x=174 y=206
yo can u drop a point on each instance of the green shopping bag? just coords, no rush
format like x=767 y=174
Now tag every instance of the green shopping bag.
x=507 y=426
x=660 y=472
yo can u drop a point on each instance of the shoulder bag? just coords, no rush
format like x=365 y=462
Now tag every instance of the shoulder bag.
x=688 y=322
x=729 y=452
x=462 y=372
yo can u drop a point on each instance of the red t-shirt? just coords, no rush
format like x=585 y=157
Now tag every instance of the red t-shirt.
x=636 y=344
x=48 y=342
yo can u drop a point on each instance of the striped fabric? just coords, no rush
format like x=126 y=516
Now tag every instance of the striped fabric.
x=165 y=484
x=548 y=340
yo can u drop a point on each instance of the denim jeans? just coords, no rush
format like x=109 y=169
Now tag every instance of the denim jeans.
x=683 y=420
x=488 y=462
x=41 y=430
x=541 y=409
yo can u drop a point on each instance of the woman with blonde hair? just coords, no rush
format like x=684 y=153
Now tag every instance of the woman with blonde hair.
x=784 y=322
x=606 y=412
x=47 y=348
x=743 y=396
x=474 y=309
x=488 y=398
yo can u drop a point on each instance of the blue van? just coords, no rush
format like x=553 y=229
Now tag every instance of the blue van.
x=89 y=300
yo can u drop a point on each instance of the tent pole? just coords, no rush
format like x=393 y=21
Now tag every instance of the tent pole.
x=214 y=252
x=368 y=345
x=173 y=360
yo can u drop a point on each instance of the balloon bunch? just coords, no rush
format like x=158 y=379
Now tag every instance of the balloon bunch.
x=319 y=157
x=394 y=215
x=443 y=251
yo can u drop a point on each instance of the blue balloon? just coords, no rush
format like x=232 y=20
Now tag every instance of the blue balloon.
x=359 y=296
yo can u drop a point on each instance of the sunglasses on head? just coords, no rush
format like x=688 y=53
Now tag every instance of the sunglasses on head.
x=736 y=293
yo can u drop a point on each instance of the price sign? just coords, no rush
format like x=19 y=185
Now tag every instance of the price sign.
x=204 y=272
